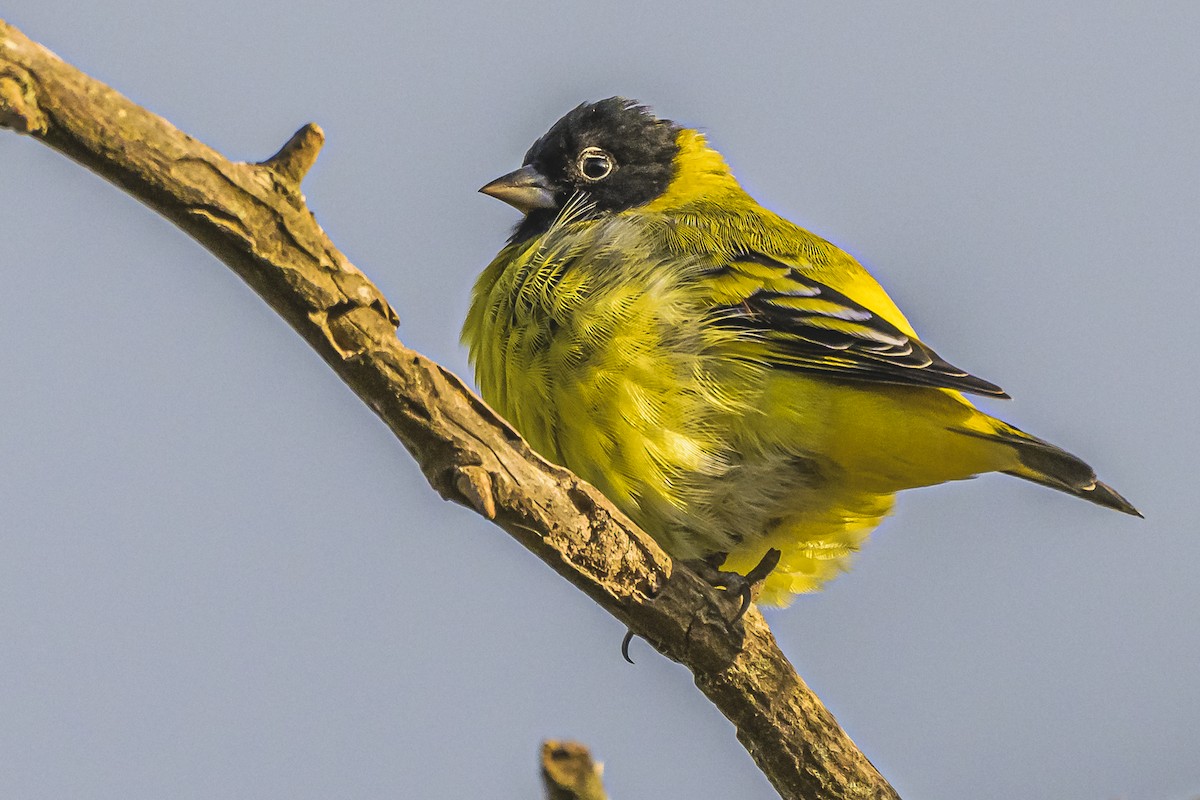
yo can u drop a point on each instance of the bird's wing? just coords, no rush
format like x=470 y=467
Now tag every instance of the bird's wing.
x=789 y=320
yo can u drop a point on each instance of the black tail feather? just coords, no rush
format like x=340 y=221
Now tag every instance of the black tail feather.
x=1044 y=463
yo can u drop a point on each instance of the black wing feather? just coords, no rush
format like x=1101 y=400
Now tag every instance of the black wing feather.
x=812 y=328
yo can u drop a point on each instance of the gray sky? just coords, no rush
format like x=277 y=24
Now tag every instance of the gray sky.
x=221 y=577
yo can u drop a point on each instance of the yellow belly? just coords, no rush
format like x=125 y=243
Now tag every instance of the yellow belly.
x=804 y=465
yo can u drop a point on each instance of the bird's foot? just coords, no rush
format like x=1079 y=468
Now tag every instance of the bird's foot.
x=746 y=586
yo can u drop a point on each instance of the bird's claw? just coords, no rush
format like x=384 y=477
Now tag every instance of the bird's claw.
x=629 y=634
x=744 y=586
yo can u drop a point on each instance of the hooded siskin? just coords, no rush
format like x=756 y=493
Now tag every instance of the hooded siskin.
x=731 y=381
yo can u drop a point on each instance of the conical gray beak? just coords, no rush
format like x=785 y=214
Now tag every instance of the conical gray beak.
x=524 y=189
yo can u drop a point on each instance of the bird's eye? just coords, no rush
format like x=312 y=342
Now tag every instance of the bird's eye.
x=595 y=164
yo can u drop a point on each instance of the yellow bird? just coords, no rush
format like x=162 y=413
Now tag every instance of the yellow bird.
x=731 y=381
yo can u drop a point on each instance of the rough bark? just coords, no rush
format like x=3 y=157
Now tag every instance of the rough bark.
x=254 y=219
x=569 y=773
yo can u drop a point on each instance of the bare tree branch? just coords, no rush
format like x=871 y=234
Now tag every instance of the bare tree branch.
x=254 y=219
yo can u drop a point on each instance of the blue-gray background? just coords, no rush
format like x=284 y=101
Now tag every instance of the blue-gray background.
x=221 y=577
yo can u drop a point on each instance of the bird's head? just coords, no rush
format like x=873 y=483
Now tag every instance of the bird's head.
x=613 y=153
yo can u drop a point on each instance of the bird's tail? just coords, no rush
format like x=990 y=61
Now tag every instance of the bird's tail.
x=1041 y=462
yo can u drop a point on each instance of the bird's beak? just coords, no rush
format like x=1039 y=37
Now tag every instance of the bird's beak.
x=524 y=189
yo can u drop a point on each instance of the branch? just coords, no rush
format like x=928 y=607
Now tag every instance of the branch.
x=254 y=219
x=569 y=773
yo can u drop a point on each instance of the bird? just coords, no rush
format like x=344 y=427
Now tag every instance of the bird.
x=741 y=388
